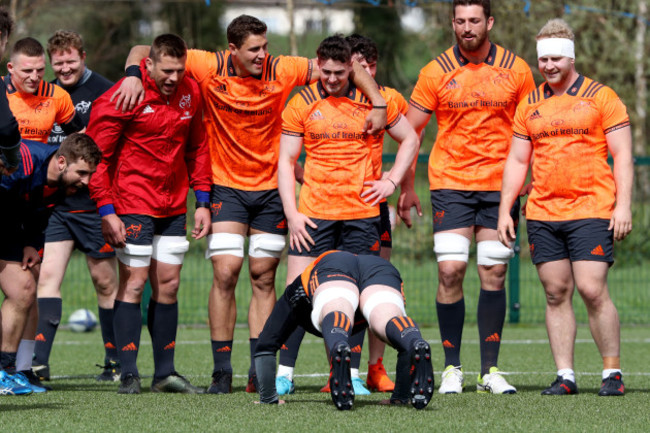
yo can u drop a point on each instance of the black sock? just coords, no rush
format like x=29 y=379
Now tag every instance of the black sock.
x=252 y=344
x=8 y=362
x=335 y=328
x=451 y=318
x=289 y=350
x=401 y=332
x=108 y=333
x=127 y=325
x=356 y=346
x=221 y=351
x=162 y=321
x=491 y=314
x=49 y=317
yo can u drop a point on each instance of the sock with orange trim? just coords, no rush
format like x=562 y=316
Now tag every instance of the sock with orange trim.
x=108 y=334
x=289 y=350
x=162 y=321
x=491 y=313
x=451 y=318
x=356 y=346
x=127 y=325
x=49 y=317
x=401 y=332
x=221 y=352
x=336 y=328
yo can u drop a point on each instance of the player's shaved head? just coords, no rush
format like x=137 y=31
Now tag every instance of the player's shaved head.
x=168 y=45
x=243 y=26
x=485 y=4
x=334 y=48
x=29 y=47
x=556 y=28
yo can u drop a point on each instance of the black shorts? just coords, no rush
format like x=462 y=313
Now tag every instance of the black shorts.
x=13 y=242
x=586 y=239
x=354 y=236
x=84 y=228
x=454 y=209
x=385 y=228
x=260 y=210
x=140 y=229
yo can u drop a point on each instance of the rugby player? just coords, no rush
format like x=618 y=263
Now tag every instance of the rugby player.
x=577 y=207
x=45 y=173
x=336 y=296
x=75 y=223
x=245 y=89
x=473 y=88
x=152 y=155
x=9 y=132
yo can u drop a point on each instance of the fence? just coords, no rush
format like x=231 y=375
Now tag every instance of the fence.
x=413 y=256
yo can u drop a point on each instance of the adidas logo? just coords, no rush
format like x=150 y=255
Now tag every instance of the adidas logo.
x=130 y=347
x=40 y=337
x=316 y=115
x=109 y=345
x=494 y=338
x=356 y=349
x=375 y=247
x=225 y=349
x=147 y=109
x=106 y=249
x=282 y=224
x=535 y=115
x=385 y=237
x=453 y=84
x=598 y=251
x=170 y=346
x=447 y=344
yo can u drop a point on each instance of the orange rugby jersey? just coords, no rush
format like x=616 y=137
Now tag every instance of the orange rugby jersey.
x=338 y=155
x=572 y=179
x=474 y=107
x=394 y=97
x=37 y=112
x=243 y=115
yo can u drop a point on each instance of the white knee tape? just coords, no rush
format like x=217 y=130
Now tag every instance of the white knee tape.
x=329 y=295
x=384 y=297
x=451 y=246
x=170 y=249
x=493 y=253
x=136 y=256
x=225 y=243
x=265 y=245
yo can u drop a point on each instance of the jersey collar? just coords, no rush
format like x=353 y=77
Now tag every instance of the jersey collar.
x=10 y=87
x=489 y=60
x=233 y=73
x=573 y=90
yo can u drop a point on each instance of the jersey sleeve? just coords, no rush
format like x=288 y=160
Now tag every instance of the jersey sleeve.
x=425 y=94
x=297 y=70
x=65 y=111
x=613 y=112
x=200 y=64
x=392 y=114
x=519 y=129
x=527 y=82
x=292 y=122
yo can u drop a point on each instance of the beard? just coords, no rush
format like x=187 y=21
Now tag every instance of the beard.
x=473 y=45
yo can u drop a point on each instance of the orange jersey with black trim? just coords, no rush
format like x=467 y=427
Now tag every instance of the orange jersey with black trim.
x=474 y=107
x=338 y=154
x=243 y=115
x=310 y=283
x=37 y=112
x=571 y=177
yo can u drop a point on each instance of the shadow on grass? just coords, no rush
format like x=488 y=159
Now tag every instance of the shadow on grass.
x=31 y=407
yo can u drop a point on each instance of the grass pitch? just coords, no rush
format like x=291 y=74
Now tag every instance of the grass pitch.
x=79 y=403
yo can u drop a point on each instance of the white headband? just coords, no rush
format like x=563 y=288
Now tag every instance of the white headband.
x=556 y=47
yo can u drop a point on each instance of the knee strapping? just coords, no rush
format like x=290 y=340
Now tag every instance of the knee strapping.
x=490 y=253
x=383 y=297
x=265 y=245
x=329 y=295
x=136 y=256
x=451 y=246
x=225 y=243
x=170 y=249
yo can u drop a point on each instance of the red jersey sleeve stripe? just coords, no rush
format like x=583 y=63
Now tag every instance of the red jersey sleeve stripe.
x=292 y=133
x=521 y=136
x=420 y=107
x=617 y=127
x=28 y=162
